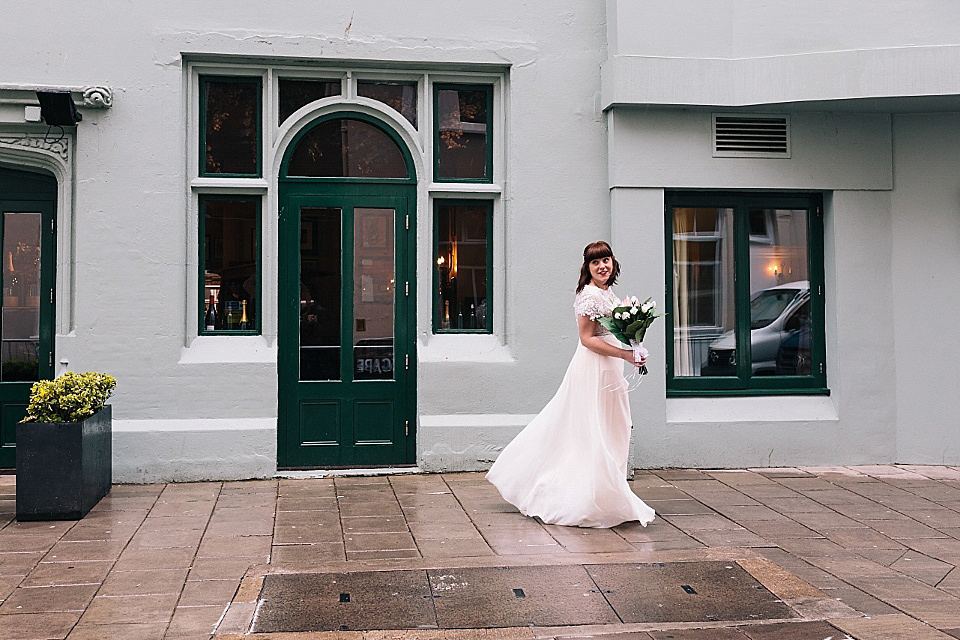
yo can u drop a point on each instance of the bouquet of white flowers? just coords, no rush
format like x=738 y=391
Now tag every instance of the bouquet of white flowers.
x=629 y=324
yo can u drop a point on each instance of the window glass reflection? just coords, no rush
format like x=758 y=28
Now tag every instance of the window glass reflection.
x=779 y=292
x=320 y=282
x=230 y=276
x=374 y=293
x=399 y=96
x=231 y=109
x=703 y=323
x=463 y=270
x=295 y=93
x=462 y=133
x=21 y=297
x=349 y=149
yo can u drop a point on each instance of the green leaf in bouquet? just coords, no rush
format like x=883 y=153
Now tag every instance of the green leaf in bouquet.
x=633 y=327
x=611 y=326
x=641 y=332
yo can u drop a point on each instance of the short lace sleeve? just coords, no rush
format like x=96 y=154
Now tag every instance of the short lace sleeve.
x=590 y=302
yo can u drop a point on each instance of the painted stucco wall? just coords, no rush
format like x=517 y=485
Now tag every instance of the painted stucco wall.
x=747 y=53
x=855 y=78
x=857 y=422
x=925 y=262
x=192 y=411
x=757 y=28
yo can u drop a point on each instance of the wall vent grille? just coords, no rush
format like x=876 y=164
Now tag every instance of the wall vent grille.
x=751 y=136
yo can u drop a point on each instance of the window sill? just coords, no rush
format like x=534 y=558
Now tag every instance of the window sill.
x=463 y=347
x=209 y=184
x=746 y=393
x=794 y=408
x=465 y=188
x=229 y=348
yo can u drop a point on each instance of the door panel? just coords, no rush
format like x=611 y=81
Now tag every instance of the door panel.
x=320 y=423
x=345 y=327
x=368 y=418
x=27 y=204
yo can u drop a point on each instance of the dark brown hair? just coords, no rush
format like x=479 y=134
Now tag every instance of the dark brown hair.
x=595 y=251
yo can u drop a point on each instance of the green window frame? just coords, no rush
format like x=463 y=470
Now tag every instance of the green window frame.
x=488 y=171
x=258 y=268
x=438 y=312
x=205 y=81
x=745 y=382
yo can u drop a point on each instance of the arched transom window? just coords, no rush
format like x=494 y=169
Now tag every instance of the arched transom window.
x=347 y=148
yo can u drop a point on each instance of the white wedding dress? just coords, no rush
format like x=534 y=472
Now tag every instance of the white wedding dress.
x=569 y=465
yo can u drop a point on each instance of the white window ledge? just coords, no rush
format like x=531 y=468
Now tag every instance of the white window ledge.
x=213 y=184
x=751 y=409
x=462 y=347
x=219 y=349
x=465 y=188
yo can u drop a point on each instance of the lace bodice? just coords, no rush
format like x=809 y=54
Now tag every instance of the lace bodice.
x=594 y=303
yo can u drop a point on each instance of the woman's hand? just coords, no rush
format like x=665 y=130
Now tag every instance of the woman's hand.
x=627 y=354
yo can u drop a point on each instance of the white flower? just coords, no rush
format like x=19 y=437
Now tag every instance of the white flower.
x=633 y=311
x=653 y=304
x=646 y=307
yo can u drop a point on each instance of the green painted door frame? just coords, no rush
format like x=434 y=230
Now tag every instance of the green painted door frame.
x=346 y=422
x=27 y=200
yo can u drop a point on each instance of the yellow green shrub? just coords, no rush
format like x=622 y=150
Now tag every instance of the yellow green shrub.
x=69 y=398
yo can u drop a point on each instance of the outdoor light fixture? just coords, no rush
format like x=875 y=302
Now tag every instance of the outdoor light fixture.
x=57 y=108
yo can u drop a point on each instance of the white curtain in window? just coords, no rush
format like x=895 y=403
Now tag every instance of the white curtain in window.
x=682 y=354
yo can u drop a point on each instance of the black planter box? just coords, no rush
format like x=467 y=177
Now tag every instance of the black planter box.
x=63 y=469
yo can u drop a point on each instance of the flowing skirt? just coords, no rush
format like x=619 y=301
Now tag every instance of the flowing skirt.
x=569 y=465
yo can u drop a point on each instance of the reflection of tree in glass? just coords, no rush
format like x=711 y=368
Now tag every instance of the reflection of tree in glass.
x=399 y=96
x=296 y=93
x=347 y=148
x=27 y=260
x=231 y=128
x=472 y=107
x=22 y=272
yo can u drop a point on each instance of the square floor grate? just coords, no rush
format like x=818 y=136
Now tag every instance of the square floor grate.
x=493 y=597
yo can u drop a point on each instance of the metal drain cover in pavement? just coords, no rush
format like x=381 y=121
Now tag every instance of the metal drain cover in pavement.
x=686 y=592
x=346 y=601
x=518 y=597
x=491 y=597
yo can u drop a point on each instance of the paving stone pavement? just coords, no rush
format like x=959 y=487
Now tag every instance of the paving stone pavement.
x=868 y=552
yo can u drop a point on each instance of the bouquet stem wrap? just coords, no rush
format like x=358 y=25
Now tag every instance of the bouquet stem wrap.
x=639 y=353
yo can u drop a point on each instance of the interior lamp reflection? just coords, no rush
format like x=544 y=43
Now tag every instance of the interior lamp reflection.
x=777 y=270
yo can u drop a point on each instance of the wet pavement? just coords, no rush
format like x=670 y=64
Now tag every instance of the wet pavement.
x=843 y=552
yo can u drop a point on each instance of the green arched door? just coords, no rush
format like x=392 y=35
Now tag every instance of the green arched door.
x=27 y=208
x=346 y=356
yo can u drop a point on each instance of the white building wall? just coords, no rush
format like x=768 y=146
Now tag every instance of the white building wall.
x=185 y=411
x=747 y=53
x=856 y=422
x=926 y=303
x=850 y=75
x=758 y=28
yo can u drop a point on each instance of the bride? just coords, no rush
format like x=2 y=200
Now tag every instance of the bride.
x=569 y=465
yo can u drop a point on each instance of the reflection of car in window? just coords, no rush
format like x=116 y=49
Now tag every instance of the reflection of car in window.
x=776 y=314
x=793 y=357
